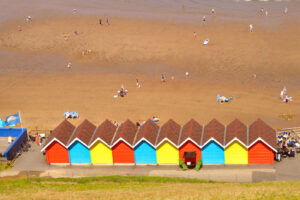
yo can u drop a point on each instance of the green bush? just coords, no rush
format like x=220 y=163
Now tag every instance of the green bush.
x=199 y=164
x=182 y=164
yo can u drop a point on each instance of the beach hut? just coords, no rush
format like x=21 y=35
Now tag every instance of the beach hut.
x=144 y=145
x=100 y=150
x=56 y=145
x=79 y=152
x=212 y=143
x=236 y=151
x=190 y=140
x=122 y=145
x=262 y=143
x=166 y=144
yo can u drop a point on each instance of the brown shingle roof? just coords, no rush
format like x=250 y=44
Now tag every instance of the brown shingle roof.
x=214 y=129
x=105 y=132
x=169 y=130
x=236 y=129
x=126 y=131
x=260 y=129
x=192 y=130
x=62 y=132
x=149 y=131
x=84 y=132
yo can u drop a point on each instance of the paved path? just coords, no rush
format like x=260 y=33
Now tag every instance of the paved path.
x=33 y=163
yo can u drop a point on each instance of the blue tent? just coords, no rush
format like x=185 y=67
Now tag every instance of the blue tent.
x=144 y=153
x=79 y=153
x=213 y=153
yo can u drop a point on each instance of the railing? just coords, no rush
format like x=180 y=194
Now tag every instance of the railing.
x=39 y=131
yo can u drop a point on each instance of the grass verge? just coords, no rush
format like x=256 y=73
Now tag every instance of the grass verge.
x=127 y=187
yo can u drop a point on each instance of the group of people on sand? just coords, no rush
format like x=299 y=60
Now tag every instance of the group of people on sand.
x=284 y=97
x=264 y=12
x=107 y=21
x=154 y=119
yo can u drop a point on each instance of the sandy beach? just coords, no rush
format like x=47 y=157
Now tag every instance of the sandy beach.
x=35 y=80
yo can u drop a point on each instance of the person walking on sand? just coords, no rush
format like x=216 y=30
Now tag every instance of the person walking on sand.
x=195 y=34
x=138 y=85
x=203 y=19
x=251 y=28
x=213 y=12
x=162 y=79
x=100 y=21
x=286 y=10
x=19 y=28
x=262 y=11
x=107 y=22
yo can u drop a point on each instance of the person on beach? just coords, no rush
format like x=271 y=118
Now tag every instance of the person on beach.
x=172 y=78
x=69 y=65
x=284 y=90
x=28 y=19
x=251 y=28
x=19 y=28
x=187 y=75
x=254 y=75
x=195 y=34
x=100 y=21
x=266 y=13
x=203 y=19
x=162 y=79
x=281 y=94
x=262 y=11
x=75 y=32
x=286 y=10
x=213 y=12
x=107 y=22
x=138 y=85
x=116 y=123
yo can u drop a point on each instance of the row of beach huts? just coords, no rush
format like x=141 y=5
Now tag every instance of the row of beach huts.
x=214 y=143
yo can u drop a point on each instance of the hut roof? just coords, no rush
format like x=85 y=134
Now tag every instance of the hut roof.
x=236 y=129
x=62 y=133
x=104 y=132
x=191 y=130
x=170 y=130
x=83 y=132
x=127 y=132
x=214 y=129
x=148 y=131
x=259 y=129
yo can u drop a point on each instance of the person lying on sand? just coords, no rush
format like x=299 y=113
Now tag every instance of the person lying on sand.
x=287 y=99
